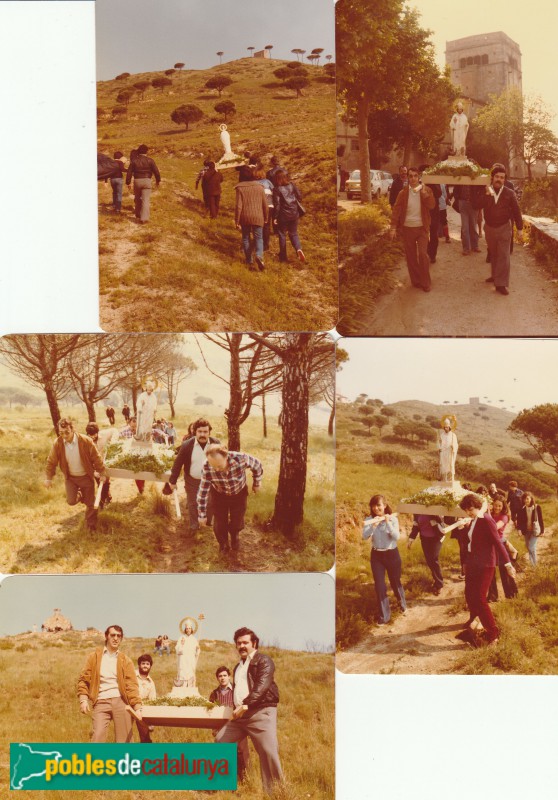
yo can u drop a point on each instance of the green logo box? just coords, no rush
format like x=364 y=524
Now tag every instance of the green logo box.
x=100 y=767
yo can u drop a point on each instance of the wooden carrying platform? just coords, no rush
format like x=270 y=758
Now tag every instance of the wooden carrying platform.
x=185 y=716
x=435 y=511
x=456 y=180
x=127 y=474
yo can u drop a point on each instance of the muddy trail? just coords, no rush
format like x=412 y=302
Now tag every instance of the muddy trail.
x=422 y=641
x=461 y=303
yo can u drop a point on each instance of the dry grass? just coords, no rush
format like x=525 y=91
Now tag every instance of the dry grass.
x=186 y=272
x=140 y=533
x=46 y=677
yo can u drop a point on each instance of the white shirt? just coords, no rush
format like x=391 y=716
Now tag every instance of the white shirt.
x=146 y=686
x=241 y=688
x=75 y=464
x=108 y=684
x=413 y=217
x=197 y=461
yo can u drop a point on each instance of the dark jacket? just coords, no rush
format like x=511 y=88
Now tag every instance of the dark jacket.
x=486 y=545
x=285 y=202
x=396 y=187
x=142 y=167
x=521 y=523
x=263 y=689
x=502 y=212
x=184 y=458
x=515 y=502
x=211 y=183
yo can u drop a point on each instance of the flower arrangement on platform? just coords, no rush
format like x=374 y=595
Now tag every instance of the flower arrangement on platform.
x=199 y=702
x=467 y=168
x=438 y=496
x=157 y=458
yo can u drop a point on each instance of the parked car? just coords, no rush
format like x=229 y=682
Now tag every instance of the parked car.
x=380 y=184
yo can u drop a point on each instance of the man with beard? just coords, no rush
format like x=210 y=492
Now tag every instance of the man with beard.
x=147 y=692
x=255 y=697
x=191 y=456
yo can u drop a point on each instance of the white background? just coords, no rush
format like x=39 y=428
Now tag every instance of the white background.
x=406 y=737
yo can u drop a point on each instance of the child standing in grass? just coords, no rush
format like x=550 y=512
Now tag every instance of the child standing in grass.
x=382 y=528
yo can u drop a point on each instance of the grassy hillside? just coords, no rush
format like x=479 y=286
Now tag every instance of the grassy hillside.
x=358 y=478
x=140 y=533
x=185 y=272
x=45 y=668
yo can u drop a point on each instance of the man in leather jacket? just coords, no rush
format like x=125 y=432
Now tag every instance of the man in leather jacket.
x=255 y=697
x=142 y=168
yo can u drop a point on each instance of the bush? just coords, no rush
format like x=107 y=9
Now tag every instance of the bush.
x=508 y=464
x=389 y=458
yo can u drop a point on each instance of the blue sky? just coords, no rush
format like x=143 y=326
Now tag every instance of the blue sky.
x=286 y=610
x=149 y=35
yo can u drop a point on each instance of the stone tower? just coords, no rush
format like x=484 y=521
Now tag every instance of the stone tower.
x=484 y=64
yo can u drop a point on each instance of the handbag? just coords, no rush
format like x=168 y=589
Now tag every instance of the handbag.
x=536 y=524
x=301 y=209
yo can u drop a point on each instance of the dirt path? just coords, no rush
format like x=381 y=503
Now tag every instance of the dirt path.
x=461 y=303
x=421 y=641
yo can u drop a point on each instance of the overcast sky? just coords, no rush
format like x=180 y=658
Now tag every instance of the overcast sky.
x=148 y=35
x=533 y=25
x=520 y=372
x=290 y=610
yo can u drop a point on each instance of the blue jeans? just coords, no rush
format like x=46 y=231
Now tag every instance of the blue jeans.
x=117 y=184
x=285 y=227
x=389 y=561
x=531 y=542
x=469 y=234
x=257 y=234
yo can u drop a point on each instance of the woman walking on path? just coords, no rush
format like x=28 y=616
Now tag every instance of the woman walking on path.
x=500 y=515
x=485 y=547
x=287 y=211
x=530 y=523
x=382 y=528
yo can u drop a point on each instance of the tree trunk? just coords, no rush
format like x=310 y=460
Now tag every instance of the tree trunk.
x=90 y=409
x=289 y=500
x=408 y=147
x=264 y=417
x=52 y=401
x=234 y=410
x=171 y=405
x=331 y=421
x=135 y=399
x=362 y=111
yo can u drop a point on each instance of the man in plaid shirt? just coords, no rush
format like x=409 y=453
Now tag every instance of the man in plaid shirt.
x=224 y=475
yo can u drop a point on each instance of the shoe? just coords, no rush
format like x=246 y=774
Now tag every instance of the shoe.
x=403 y=610
x=426 y=288
x=476 y=250
x=380 y=621
x=260 y=263
x=432 y=260
x=234 y=541
x=466 y=253
x=502 y=290
x=301 y=256
x=489 y=280
x=436 y=590
x=467 y=636
x=448 y=241
x=493 y=643
x=462 y=577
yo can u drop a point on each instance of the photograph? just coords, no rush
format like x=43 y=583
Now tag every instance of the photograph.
x=452 y=114
x=446 y=561
x=167 y=452
x=193 y=659
x=216 y=165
